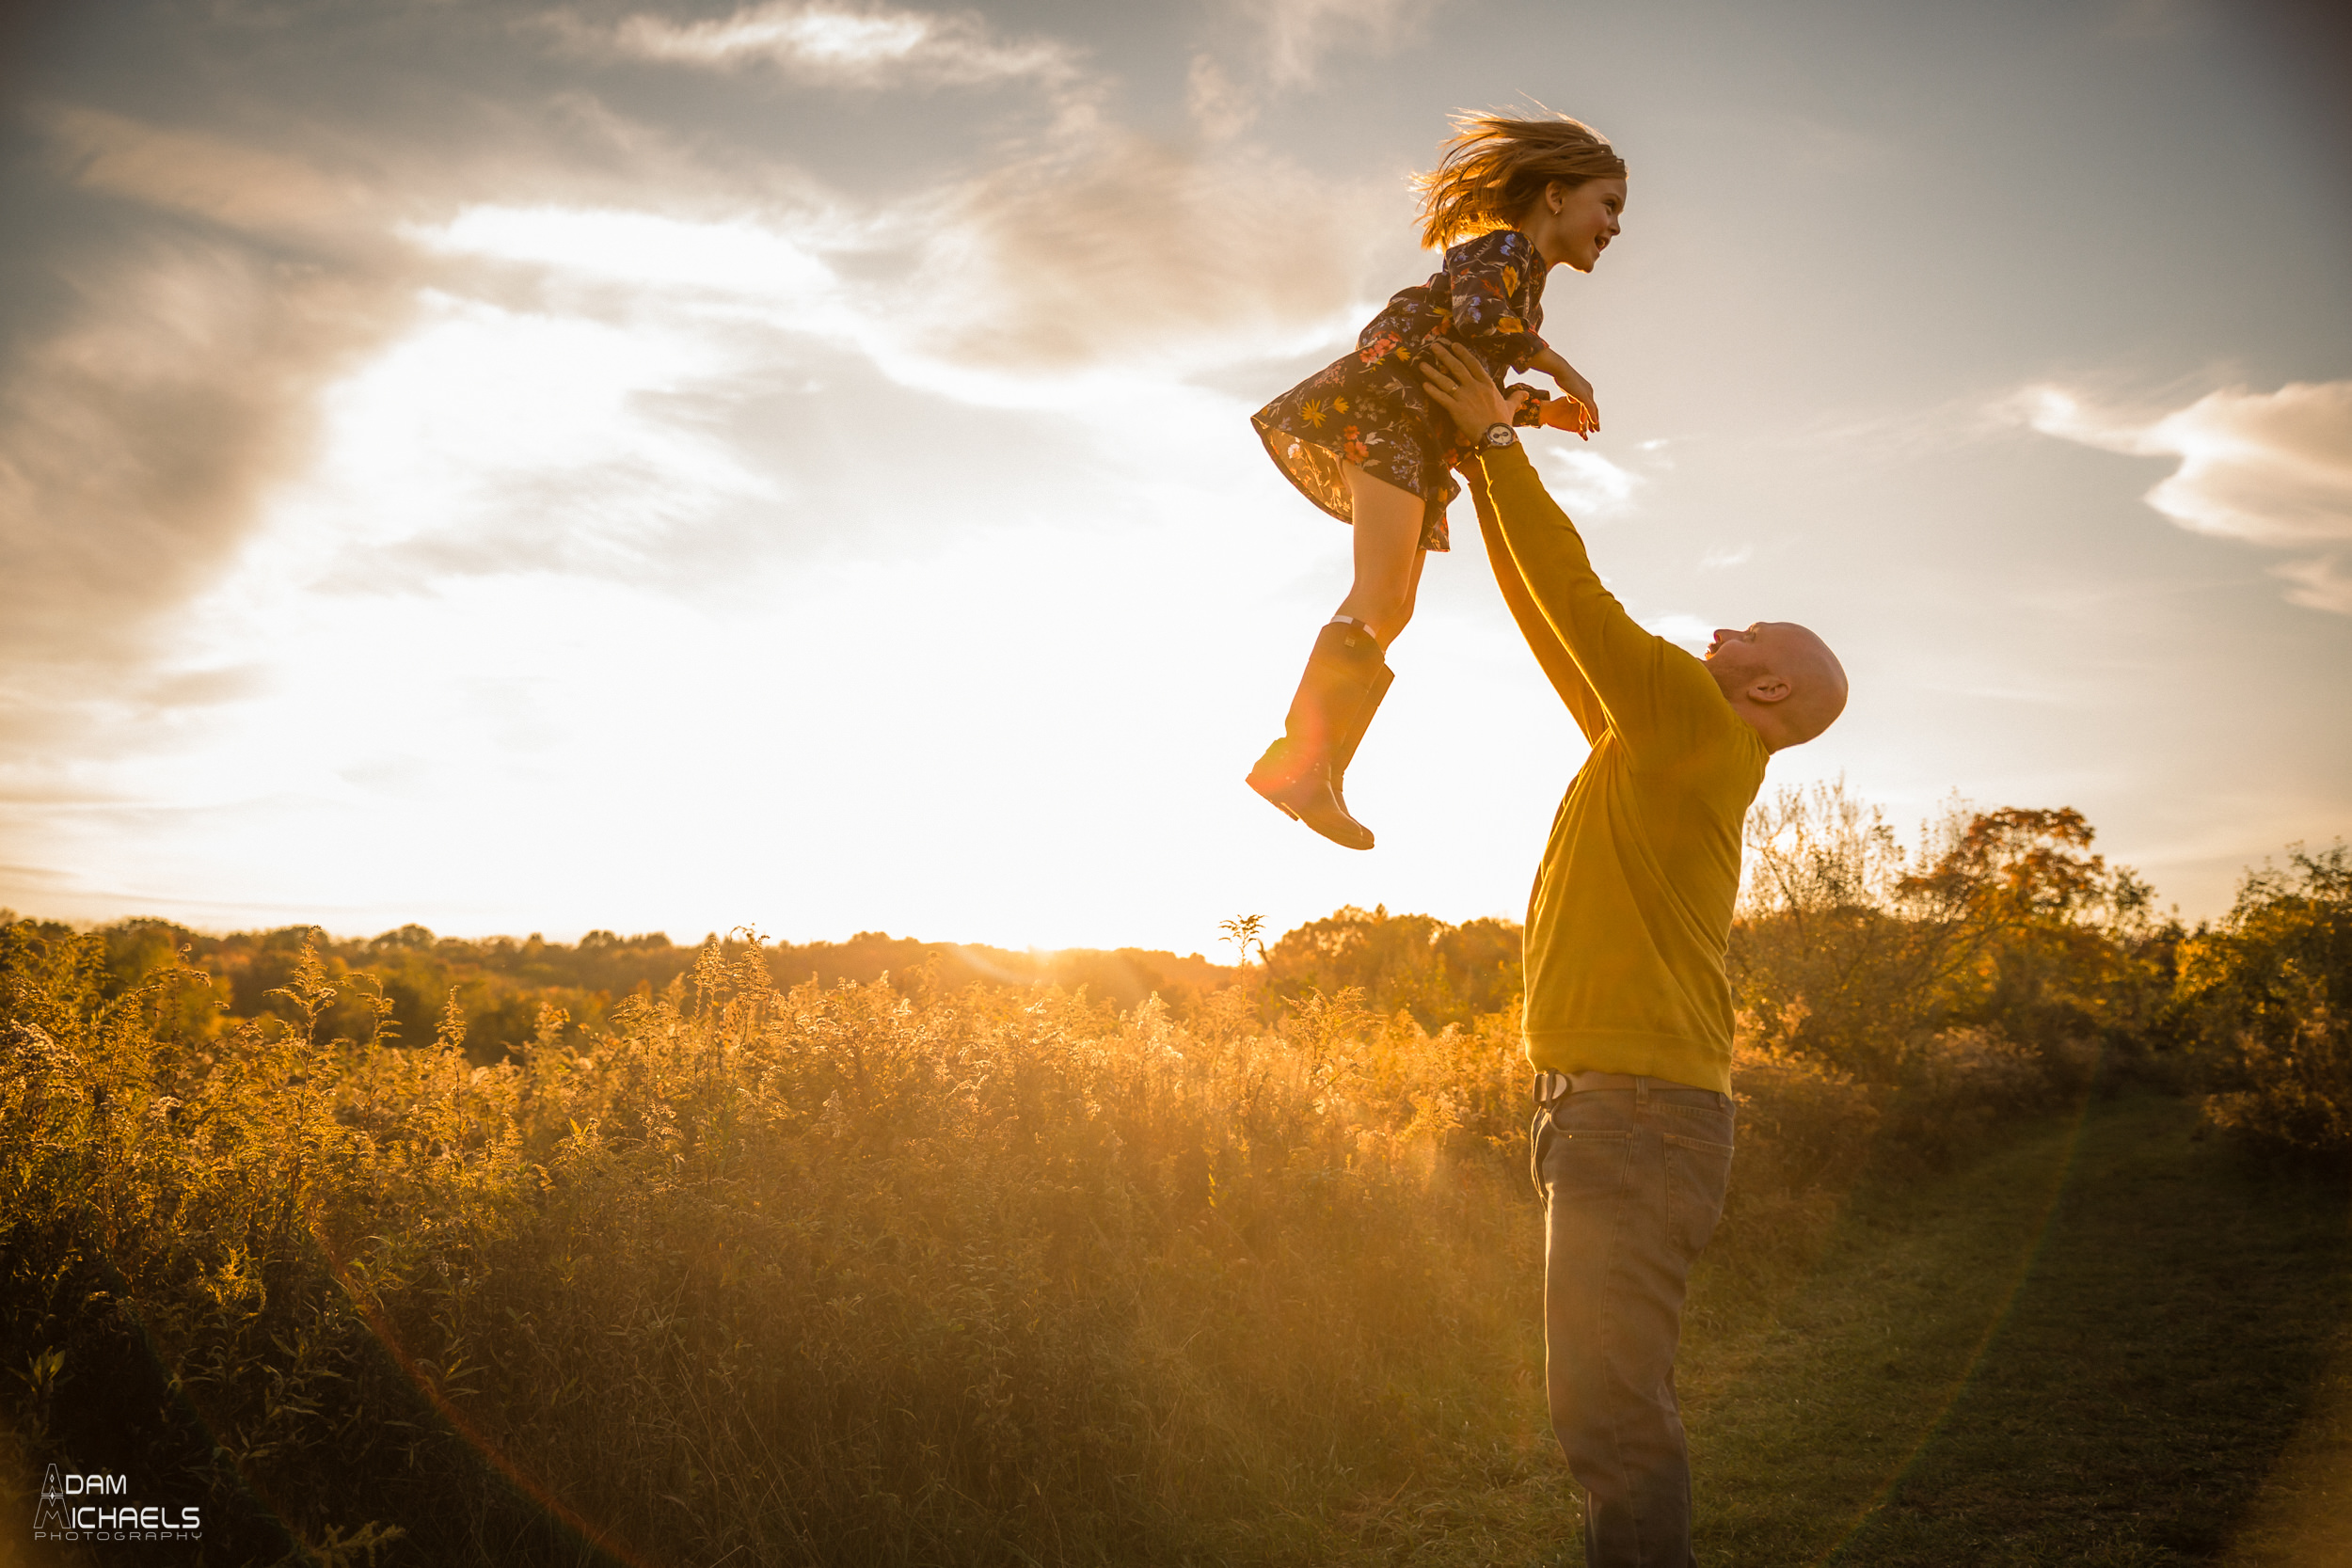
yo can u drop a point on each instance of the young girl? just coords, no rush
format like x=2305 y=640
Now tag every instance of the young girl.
x=1361 y=440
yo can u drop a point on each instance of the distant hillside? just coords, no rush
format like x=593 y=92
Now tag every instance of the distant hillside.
x=502 y=984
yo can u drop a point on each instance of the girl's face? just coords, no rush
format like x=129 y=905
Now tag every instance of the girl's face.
x=1577 y=224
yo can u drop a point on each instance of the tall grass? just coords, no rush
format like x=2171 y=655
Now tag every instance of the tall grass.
x=810 y=1275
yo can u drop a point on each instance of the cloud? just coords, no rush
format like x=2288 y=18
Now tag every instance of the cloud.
x=162 y=376
x=1589 y=486
x=168 y=384
x=1298 y=33
x=543 y=322
x=1218 y=106
x=1083 y=247
x=826 y=43
x=204 y=176
x=1684 y=631
x=2321 y=584
x=1116 y=258
x=1126 y=248
x=492 y=441
x=138 y=432
x=731 y=256
x=2268 y=468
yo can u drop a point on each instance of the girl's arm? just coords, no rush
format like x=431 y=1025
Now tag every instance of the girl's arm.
x=1574 y=383
x=1483 y=277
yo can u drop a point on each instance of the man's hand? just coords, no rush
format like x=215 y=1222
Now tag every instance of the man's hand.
x=1459 y=384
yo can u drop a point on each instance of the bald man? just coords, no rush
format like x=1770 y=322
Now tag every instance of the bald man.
x=1628 y=1008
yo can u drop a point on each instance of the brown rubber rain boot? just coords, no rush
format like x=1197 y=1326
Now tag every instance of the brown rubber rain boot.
x=1343 y=749
x=1301 y=773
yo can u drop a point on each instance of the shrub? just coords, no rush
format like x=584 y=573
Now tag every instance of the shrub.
x=2298 y=1090
x=1803 y=1124
x=2269 y=996
x=1437 y=971
x=2003 y=921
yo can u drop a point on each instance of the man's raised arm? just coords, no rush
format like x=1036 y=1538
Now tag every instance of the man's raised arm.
x=1544 y=643
x=1619 y=661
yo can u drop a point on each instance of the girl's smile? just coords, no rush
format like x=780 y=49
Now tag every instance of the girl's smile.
x=1574 y=225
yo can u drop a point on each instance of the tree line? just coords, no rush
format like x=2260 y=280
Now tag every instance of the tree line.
x=1999 y=939
x=400 y=986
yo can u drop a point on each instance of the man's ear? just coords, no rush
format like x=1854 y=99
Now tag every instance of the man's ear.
x=1768 y=689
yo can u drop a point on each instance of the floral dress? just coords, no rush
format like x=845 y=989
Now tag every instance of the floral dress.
x=1369 y=408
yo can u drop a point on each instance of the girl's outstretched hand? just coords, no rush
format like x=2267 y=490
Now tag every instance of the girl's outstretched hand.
x=1571 y=381
x=1459 y=384
x=1570 y=413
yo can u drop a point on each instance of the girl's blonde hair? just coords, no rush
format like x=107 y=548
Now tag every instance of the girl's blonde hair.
x=1493 y=166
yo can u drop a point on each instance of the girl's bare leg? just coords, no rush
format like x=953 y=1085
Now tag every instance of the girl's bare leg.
x=1388 y=554
x=1346 y=676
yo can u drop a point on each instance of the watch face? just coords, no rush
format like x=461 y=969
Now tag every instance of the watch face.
x=1499 y=436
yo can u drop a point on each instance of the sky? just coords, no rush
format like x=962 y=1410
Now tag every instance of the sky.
x=518 y=466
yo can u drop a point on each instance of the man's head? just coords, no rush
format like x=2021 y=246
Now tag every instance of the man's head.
x=1779 y=677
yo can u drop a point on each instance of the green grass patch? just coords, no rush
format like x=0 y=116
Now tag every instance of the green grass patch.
x=2111 y=1342
x=2093 y=1347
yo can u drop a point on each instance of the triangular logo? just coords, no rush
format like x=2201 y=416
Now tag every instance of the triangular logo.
x=49 y=1513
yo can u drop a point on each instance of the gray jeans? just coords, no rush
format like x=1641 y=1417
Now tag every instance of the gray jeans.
x=1633 y=1182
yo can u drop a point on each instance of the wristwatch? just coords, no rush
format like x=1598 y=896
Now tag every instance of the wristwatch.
x=1496 y=435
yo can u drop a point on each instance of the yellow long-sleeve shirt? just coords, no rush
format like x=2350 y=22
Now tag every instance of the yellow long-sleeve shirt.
x=1631 y=916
